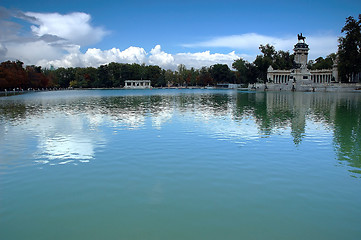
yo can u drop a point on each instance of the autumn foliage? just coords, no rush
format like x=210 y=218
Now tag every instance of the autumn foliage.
x=14 y=76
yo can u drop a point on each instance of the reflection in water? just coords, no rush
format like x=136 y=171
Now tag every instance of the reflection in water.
x=339 y=112
x=61 y=137
x=67 y=126
x=347 y=121
x=65 y=148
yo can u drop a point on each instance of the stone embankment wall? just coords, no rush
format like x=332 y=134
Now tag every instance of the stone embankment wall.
x=331 y=87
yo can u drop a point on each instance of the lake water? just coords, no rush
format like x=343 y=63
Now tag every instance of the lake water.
x=180 y=164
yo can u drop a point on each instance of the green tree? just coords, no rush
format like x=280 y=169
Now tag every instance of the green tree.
x=169 y=77
x=205 y=78
x=263 y=61
x=116 y=74
x=240 y=66
x=270 y=57
x=74 y=84
x=86 y=77
x=161 y=82
x=64 y=76
x=251 y=73
x=221 y=73
x=182 y=74
x=349 y=51
x=323 y=63
x=154 y=74
x=192 y=75
x=283 y=60
x=104 y=77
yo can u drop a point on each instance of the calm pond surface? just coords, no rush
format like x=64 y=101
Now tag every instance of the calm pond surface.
x=180 y=164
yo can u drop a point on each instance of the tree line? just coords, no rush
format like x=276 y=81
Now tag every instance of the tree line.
x=13 y=75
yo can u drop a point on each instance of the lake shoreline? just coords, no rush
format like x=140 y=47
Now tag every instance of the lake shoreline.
x=259 y=87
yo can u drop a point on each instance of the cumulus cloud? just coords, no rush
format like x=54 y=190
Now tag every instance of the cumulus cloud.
x=95 y=57
x=160 y=58
x=50 y=37
x=74 y=27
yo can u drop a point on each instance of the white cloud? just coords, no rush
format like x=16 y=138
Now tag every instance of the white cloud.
x=132 y=55
x=320 y=45
x=244 y=41
x=95 y=57
x=52 y=37
x=200 y=59
x=248 y=43
x=32 y=52
x=56 y=39
x=160 y=58
x=74 y=27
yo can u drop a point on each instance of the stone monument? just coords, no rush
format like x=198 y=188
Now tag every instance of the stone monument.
x=300 y=73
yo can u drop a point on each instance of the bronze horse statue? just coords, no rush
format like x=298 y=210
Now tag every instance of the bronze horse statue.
x=300 y=37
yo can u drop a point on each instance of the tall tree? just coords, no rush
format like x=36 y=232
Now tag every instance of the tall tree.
x=283 y=60
x=183 y=74
x=64 y=76
x=36 y=78
x=265 y=60
x=251 y=73
x=246 y=72
x=169 y=77
x=154 y=74
x=221 y=73
x=240 y=66
x=349 y=51
x=205 y=78
x=105 y=77
x=115 y=72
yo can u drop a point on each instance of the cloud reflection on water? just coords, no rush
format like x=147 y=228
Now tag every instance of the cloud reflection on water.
x=64 y=139
x=65 y=149
x=69 y=129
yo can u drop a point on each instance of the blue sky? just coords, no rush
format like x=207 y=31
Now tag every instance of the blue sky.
x=166 y=33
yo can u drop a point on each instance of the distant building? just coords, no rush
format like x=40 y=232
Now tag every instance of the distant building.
x=300 y=77
x=137 y=84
